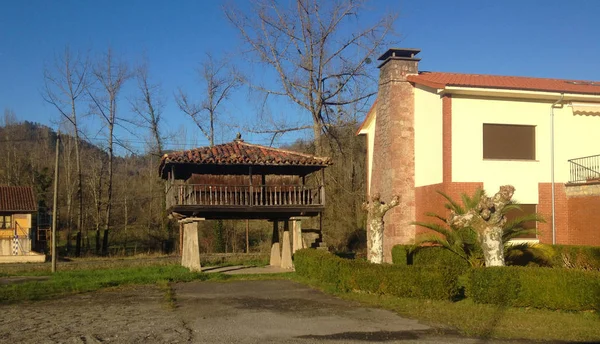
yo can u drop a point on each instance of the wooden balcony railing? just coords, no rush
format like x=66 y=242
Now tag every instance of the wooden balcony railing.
x=244 y=196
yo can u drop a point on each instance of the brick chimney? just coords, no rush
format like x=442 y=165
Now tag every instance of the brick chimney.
x=394 y=145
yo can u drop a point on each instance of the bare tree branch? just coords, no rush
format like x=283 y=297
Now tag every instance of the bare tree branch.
x=318 y=64
x=149 y=106
x=219 y=82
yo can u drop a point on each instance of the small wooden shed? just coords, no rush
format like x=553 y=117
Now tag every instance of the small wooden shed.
x=17 y=233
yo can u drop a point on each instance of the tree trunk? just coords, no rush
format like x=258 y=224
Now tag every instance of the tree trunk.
x=108 y=190
x=376 y=231
x=492 y=246
x=98 y=246
x=377 y=210
x=105 y=243
x=79 y=192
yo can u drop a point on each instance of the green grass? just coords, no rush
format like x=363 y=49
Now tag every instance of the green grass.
x=79 y=281
x=484 y=321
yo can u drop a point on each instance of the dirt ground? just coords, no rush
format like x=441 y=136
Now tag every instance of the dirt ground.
x=211 y=312
x=129 y=315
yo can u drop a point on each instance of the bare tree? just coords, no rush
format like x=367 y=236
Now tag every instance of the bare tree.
x=219 y=81
x=111 y=76
x=64 y=87
x=148 y=106
x=9 y=148
x=320 y=62
x=96 y=170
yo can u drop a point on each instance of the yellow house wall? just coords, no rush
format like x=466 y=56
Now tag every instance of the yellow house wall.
x=428 y=137
x=575 y=136
x=368 y=129
x=23 y=220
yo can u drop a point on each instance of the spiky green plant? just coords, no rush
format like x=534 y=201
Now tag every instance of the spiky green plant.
x=463 y=241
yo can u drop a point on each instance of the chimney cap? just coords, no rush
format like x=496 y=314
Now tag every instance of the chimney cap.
x=400 y=53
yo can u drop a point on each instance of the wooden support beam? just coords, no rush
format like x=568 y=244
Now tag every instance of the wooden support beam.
x=247 y=236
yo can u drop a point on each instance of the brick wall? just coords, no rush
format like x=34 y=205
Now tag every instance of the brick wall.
x=584 y=220
x=577 y=215
x=561 y=210
x=429 y=200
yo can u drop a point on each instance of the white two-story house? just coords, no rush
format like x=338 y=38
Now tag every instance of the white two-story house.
x=449 y=132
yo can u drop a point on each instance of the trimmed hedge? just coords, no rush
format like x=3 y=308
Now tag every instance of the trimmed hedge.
x=576 y=257
x=401 y=254
x=551 y=288
x=402 y=281
x=560 y=256
x=426 y=256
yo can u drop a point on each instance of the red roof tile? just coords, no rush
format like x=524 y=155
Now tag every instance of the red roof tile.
x=241 y=153
x=17 y=198
x=441 y=80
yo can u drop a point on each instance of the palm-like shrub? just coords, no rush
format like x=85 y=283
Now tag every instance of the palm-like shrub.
x=463 y=241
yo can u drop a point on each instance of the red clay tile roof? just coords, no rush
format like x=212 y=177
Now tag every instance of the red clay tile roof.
x=17 y=198
x=441 y=80
x=241 y=153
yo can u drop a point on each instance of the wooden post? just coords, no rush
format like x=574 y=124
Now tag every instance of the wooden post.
x=263 y=182
x=247 y=236
x=322 y=187
x=180 y=238
x=251 y=189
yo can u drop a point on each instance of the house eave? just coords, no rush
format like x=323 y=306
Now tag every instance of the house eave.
x=368 y=118
x=516 y=93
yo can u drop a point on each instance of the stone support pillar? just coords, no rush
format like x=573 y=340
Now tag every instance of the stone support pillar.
x=275 y=252
x=190 y=256
x=286 y=250
x=297 y=241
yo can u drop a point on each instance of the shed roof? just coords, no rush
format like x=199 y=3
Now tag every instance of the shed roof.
x=17 y=198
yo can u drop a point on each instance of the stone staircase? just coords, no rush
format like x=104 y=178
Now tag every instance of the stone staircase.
x=313 y=238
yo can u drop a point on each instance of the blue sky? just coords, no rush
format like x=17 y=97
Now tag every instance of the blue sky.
x=538 y=38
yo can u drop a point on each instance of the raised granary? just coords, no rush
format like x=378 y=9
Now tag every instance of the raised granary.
x=239 y=180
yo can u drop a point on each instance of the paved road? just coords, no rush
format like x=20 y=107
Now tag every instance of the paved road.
x=287 y=312
x=211 y=312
